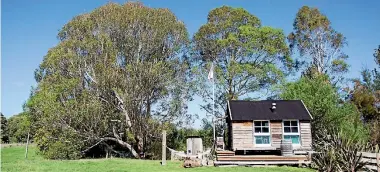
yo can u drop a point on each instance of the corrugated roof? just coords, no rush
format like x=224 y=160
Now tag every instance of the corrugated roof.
x=262 y=110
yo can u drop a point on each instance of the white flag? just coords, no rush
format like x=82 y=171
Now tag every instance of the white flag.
x=211 y=73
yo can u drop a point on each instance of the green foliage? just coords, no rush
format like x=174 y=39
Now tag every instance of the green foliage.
x=247 y=57
x=4 y=129
x=366 y=97
x=115 y=76
x=19 y=127
x=319 y=43
x=339 y=153
x=323 y=102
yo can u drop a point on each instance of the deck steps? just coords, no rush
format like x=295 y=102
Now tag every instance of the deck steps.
x=229 y=158
x=225 y=153
x=262 y=158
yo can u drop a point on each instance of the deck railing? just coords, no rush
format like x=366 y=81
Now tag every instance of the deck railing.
x=373 y=159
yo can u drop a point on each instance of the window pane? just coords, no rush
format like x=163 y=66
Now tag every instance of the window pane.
x=265 y=130
x=257 y=129
x=265 y=123
x=286 y=123
x=294 y=129
x=257 y=123
x=295 y=138
x=287 y=129
x=259 y=140
x=266 y=140
x=262 y=139
x=294 y=123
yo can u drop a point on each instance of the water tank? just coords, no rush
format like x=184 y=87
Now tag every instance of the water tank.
x=194 y=145
x=286 y=148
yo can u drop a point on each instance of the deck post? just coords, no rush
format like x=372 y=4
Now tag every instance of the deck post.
x=309 y=155
x=299 y=163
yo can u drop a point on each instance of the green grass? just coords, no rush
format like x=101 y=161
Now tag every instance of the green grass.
x=12 y=159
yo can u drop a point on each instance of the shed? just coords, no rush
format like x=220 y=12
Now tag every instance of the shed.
x=261 y=125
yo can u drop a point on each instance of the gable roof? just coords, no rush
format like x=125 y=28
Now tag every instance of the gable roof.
x=240 y=110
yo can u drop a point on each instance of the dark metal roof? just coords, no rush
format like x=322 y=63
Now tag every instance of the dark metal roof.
x=240 y=110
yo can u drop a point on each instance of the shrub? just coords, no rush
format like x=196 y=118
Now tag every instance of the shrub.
x=338 y=153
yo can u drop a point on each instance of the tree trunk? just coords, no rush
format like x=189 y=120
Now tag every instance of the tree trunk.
x=122 y=143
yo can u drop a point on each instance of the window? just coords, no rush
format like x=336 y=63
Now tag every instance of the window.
x=262 y=134
x=291 y=131
x=261 y=126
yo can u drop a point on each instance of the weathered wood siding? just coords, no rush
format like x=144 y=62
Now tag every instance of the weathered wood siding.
x=305 y=134
x=242 y=135
x=276 y=133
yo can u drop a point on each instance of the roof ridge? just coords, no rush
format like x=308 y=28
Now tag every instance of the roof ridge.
x=260 y=100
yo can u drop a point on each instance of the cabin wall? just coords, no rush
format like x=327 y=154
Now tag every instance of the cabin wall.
x=242 y=135
x=305 y=134
x=276 y=133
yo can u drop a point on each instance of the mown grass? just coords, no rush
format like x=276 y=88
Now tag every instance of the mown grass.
x=12 y=159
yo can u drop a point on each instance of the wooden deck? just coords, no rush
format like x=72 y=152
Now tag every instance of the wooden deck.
x=229 y=158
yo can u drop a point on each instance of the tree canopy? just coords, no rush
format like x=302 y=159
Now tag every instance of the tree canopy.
x=116 y=75
x=319 y=43
x=18 y=127
x=122 y=73
x=326 y=107
x=4 y=129
x=247 y=56
x=366 y=96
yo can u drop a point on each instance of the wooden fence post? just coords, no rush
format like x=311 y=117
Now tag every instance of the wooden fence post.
x=26 y=148
x=171 y=155
x=163 y=147
x=377 y=158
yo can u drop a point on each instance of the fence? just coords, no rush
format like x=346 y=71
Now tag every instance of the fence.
x=4 y=145
x=373 y=159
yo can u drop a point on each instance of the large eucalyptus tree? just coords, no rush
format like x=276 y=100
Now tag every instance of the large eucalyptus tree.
x=248 y=57
x=319 y=44
x=115 y=73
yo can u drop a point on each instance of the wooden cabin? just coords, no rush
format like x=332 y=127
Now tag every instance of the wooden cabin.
x=261 y=125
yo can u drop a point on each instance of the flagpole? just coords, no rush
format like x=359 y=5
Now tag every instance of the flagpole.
x=211 y=78
x=213 y=103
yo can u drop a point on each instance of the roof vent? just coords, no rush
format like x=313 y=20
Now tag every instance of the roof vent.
x=273 y=107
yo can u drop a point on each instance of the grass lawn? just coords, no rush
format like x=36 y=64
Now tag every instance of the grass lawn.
x=12 y=159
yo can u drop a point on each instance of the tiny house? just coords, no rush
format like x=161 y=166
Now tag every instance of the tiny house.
x=261 y=125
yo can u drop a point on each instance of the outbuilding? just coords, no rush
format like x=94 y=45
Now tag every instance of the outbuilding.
x=261 y=125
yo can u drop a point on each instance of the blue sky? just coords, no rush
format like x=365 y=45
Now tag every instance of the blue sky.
x=29 y=29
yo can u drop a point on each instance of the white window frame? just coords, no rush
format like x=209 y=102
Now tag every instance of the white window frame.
x=262 y=134
x=294 y=134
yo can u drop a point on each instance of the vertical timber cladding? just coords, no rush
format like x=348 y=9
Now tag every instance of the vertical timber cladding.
x=305 y=134
x=276 y=133
x=242 y=135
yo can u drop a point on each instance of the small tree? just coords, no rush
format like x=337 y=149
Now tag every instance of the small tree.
x=4 y=129
x=327 y=109
x=19 y=126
